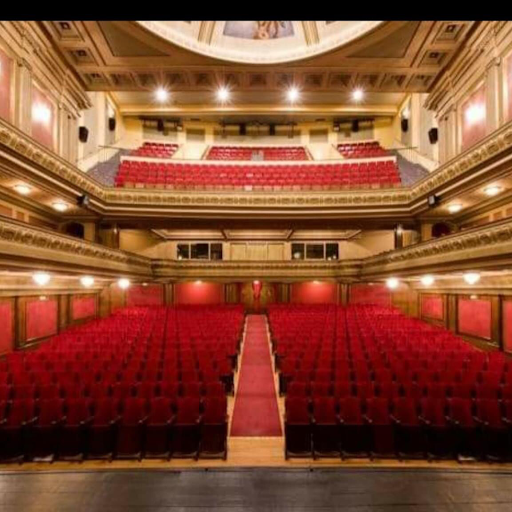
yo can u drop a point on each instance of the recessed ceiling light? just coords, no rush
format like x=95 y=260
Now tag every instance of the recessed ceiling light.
x=161 y=95
x=293 y=94
x=22 y=189
x=392 y=283
x=493 y=190
x=223 y=94
x=454 y=208
x=87 y=281
x=357 y=94
x=60 y=206
x=41 y=278
x=123 y=283
x=427 y=280
x=472 y=277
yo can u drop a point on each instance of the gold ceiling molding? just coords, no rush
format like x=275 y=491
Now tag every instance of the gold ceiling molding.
x=121 y=201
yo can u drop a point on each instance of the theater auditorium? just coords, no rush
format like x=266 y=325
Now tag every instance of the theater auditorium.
x=255 y=265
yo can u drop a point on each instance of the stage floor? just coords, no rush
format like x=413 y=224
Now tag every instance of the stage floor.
x=269 y=489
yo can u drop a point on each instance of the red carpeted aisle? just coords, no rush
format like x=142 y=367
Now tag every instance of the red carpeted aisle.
x=256 y=413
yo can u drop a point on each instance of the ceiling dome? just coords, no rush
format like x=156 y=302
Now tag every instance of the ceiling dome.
x=259 y=42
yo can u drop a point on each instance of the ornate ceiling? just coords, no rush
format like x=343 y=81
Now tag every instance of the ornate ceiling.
x=260 y=42
x=317 y=56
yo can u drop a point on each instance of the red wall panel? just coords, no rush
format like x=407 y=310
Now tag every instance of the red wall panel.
x=151 y=295
x=5 y=86
x=507 y=325
x=432 y=307
x=83 y=307
x=474 y=122
x=313 y=292
x=6 y=332
x=42 y=129
x=41 y=318
x=198 y=292
x=474 y=317
x=370 y=294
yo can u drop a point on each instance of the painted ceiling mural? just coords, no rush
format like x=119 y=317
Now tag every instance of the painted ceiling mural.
x=260 y=42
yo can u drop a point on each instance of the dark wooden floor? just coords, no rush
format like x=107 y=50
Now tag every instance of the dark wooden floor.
x=358 y=490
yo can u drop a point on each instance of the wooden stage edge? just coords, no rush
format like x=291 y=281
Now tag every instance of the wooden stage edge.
x=252 y=452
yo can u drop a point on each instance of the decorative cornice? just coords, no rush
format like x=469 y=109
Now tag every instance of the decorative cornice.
x=20 y=241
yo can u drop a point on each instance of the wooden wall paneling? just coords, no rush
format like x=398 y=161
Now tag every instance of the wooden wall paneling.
x=169 y=294
x=104 y=302
x=496 y=321
x=64 y=312
x=8 y=332
x=452 y=313
x=506 y=322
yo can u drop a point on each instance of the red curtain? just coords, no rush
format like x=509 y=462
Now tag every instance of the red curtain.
x=6 y=332
x=83 y=307
x=432 y=307
x=475 y=318
x=41 y=318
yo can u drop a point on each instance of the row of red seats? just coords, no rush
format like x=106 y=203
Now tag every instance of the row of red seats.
x=380 y=174
x=257 y=152
x=140 y=354
x=155 y=150
x=362 y=150
x=108 y=428
x=401 y=427
x=371 y=352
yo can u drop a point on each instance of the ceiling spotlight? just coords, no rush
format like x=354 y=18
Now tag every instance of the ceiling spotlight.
x=22 y=189
x=454 y=208
x=41 y=278
x=161 y=95
x=472 y=277
x=87 y=281
x=357 y=94
x=427 y=280
x=392 y=283
x=492 y=190
x=223 y=94
x=60 y=206
x=293 y=94
x=123 y=283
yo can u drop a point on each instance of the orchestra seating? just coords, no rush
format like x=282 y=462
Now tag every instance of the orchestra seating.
x=155 y=150
x=145 y=382
x=367 y=149
x=257 y=153
x=368 y=381
x=307 y=176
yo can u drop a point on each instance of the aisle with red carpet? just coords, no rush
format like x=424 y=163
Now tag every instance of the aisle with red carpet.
x=256 y=413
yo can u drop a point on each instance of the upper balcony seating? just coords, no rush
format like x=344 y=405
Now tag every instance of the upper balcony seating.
x=257 y=153
x=155 y=150
x=307 y=176
x=121 y=386
x=369 y=149
x=369 y=381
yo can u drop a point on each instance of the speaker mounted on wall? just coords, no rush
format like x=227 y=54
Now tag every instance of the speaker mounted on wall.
x=243 y=129
x=404 y=123
x=355 y=125
x=112 y=124
x=83 y=134
x=160 y=125
x=272 y=129
x=433 y=135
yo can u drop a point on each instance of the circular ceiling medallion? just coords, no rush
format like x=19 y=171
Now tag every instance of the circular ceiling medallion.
x=259 y=42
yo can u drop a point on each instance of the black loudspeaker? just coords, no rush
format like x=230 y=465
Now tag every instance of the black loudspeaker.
x=160 y=125
x=272 y=129
x=83 y=200
x=432 y=135
x=433 y=200
x=112 y=123
x=243 y=129
x=355 y=125
x=83 y=134
x=404 y=123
